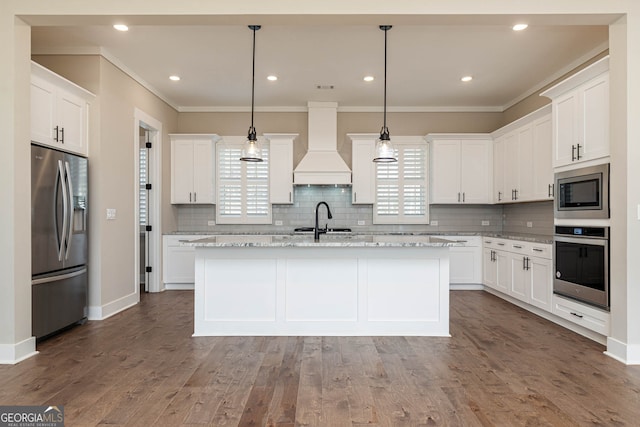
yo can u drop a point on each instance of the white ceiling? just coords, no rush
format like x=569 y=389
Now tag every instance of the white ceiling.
x=425 y=62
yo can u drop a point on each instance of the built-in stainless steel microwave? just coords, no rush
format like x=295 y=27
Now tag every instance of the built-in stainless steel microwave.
x=582 y=193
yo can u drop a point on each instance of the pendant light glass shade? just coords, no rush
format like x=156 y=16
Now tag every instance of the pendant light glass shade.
x=384 y=149
x=252 y=149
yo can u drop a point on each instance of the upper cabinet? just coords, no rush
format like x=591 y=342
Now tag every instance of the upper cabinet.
x=581 y=115
x=59 y=111
x=281 y=167
x=522 y=159
x=192 y=168
x=461 y=168
x=363 y=169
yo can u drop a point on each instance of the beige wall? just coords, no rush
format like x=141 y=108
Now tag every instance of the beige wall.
x=535 y=101
x=398 y=123
x=112 y=180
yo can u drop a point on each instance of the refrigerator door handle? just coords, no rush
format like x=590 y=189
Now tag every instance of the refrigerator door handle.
x=65 y=209
x=56 y=278
x=70 y=210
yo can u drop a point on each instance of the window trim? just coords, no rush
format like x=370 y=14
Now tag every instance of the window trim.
x=236 y=142
x=401 y=142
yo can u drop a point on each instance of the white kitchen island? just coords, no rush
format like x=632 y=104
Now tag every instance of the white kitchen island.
x=342 y=285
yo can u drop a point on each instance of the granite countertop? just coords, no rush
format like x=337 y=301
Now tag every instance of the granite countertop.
x=533 y=238
x=345 y=241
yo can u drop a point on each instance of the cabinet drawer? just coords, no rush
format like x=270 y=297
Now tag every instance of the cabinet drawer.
x=583 y=315
x=495 y=243
x=540 y=250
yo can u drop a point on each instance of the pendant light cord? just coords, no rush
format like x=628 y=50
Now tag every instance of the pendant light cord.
x=253 y=73
x=384 y=133
x=385 y=79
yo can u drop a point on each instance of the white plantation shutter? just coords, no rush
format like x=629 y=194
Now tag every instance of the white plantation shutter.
x=142 y=191
x=243 y=187
x=401 y=187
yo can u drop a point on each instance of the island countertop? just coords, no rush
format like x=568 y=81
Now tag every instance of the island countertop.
x=347 y=241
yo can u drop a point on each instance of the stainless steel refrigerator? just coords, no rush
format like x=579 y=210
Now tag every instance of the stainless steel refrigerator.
x=59 y=283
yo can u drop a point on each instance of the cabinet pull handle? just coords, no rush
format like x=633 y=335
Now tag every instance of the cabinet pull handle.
x=463 y=196
x=573 y=153
x=488 y=241
x=517 y=246
x=355 y=197
x=499 y=196
x=189 y=197
x=576 y=314
x=537 y=249
x=549 y=191
x=195 y=197
x=290 y=196
x=57 y=136
x=524 y=263
x=528 y=265
x=62 y=135
x=458 y=197
x=516 y=193
x=578 y=152
x=500 y=244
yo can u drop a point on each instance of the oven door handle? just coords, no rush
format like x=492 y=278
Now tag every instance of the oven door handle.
x=581 y=240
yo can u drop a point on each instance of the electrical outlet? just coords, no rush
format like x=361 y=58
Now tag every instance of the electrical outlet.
x=211 y=223
x=529 y=224
x=361 y=222
x=278 y=222
x=433 y=223
x=111 y=213
x=485 y=222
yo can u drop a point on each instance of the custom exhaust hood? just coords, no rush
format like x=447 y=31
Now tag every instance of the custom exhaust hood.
x=322 y=165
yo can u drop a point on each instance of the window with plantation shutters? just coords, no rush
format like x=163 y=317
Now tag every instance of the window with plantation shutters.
x=142 y=191
x=243 y=187
x=401 y=187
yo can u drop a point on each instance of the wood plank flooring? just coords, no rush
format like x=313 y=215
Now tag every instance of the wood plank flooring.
x=502 y=367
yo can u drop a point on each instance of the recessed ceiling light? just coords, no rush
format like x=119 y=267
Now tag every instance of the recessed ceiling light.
x=466 y=78
x=174 y=78
x=520 y=27
x=272 y=78
x=368 y=78
x=121 y=27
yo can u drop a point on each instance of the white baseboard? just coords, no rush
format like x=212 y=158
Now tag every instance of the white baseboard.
x=10 y=354
x=465 y=287
x=622 y=352
x=114 y=307
x=179 y=286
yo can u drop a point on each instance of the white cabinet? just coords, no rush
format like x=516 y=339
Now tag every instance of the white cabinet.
x=581 y=115
x=281 y=168
x=363 y=187
x=465 y=262
x=178 y=261
x=59 y=111
x=461 y=168
x=523 y=169
x=522 y=270
x=584 y=315
x=192 y=168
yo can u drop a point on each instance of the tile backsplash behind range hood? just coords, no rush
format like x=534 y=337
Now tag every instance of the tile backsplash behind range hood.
x=322 y=165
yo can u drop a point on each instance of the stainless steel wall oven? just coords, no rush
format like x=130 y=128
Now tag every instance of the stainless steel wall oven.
x=581 y=258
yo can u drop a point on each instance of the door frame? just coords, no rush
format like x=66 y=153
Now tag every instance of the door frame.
x=154 y=165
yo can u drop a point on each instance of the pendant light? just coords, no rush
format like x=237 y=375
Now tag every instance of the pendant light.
x=252 y=149
x=384 y=150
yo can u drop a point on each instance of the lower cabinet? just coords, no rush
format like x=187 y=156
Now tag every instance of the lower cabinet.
x=465 y=262
x=522 y=270
x=178 y=269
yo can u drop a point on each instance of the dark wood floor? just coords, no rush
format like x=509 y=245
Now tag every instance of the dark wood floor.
x=502 y=366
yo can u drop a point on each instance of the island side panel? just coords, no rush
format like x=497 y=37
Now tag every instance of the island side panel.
x=322 y=291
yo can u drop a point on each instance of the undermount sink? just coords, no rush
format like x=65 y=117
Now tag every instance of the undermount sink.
x=328 y=230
